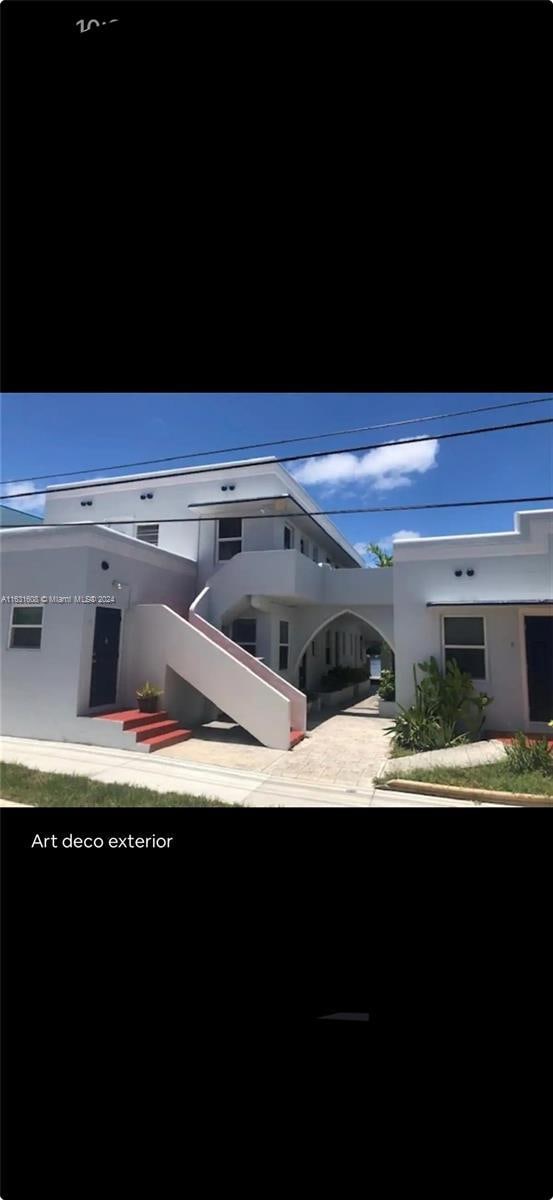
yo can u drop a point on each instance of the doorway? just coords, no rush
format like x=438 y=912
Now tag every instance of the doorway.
x=105 y=657
x=539 y=667
x=303 y=673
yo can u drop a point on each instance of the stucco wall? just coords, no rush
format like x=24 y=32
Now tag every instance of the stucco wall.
x=43 y=691
x=507 y=566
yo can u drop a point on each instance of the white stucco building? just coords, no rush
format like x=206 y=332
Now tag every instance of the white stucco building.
x=218 y=585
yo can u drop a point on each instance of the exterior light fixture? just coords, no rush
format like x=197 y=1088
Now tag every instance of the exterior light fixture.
x=457 y=573
x=471 y=572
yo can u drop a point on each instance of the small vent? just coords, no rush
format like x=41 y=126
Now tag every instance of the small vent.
x=148 y=533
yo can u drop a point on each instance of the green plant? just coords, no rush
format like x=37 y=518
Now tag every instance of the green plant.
x=448 y=710
x=524 y=755
x=148 y=691
x=341 y=677
x=382 y=558
x=387 y=689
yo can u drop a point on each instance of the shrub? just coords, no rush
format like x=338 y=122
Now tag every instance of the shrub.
x=149 y=691
x=341 y=677
x=448 y=710
x=525 y=756
x=387 y=689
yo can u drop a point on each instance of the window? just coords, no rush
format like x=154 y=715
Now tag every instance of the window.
x=229 y=538
x=343 y=643
x=464 y=641
x=313 y=648
x=304 y=546
x=327 y=647
x=244 y=634
x=351 y=643
x=315 y=554
x=26 y=628
x=283 y=640
x=288 y=538
x=148 y=533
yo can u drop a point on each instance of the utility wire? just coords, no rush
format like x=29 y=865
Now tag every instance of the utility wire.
x=438 y=437
x=288 y=441
x=320 y=512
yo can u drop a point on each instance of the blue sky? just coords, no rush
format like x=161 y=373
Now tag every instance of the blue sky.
x=46 y=433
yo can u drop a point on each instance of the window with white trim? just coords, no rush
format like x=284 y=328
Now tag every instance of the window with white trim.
x=244 y=633
x=148 y=533
x=288 y=537
x=464 y=639
x=26 y=627
x=315 y=554
x=328 y=647
x=283 y=645
x=229 y=538
x=304 y=546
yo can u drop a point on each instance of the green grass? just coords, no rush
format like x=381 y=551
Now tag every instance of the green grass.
x=494 y=777
x=47 y=789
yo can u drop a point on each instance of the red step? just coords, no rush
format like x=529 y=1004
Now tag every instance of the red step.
x=144 y=732
x=166 y=739
x=296 y=735
x=131 y=717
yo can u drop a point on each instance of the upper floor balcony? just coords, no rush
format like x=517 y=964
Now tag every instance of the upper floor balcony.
x=289 y=578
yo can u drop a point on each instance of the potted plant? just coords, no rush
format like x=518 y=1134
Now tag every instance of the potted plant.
x=387 y=694
x=148 y=696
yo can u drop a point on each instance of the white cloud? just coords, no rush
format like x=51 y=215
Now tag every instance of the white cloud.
x=385 y=468
x=403 y=535
x=31 y=504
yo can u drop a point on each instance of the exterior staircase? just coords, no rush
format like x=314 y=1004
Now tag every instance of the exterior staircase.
x=152 y=731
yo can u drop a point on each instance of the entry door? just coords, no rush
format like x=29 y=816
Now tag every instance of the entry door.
x=105 y=655
x=539 y=665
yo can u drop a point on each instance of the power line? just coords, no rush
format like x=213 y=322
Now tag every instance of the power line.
x=320 y=512
x=438 y=437
x=288 y=441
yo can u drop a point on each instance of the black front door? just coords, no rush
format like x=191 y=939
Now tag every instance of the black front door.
x=539 y=665
x=105 y=655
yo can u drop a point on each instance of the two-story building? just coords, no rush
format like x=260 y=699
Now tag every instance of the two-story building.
x=222 y=586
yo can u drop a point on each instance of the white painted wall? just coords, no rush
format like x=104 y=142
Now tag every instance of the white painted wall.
x=507 y=566
x=45 y=691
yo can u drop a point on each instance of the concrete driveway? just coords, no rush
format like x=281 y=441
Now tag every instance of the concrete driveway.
x=343 y=747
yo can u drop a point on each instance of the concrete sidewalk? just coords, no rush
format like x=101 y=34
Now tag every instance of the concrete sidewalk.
x=474 y=754
x=161 y=774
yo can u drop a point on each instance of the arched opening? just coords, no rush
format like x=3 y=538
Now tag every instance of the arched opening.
x=340 y=646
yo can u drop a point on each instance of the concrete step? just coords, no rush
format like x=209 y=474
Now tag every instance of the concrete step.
x=132 y=717
x=296 y=735
x=161 y=740
x=144 y=732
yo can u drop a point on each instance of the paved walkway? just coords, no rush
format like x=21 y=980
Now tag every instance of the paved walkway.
x=255 y=789
x=343 y=747
x=475 y=754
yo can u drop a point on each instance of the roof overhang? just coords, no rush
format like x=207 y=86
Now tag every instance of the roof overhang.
x=485 y=603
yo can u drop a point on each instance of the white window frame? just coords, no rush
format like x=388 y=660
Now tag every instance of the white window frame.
x=456 y=646
x=147 y=525
x=14 y=625
x=282 y=645
x=226 y=540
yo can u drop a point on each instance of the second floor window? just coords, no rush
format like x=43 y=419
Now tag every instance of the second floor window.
x=148 y=533
x=229 y=538
x=288 y=538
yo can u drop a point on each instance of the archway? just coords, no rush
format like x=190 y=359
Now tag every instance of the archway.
x=371 y=620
